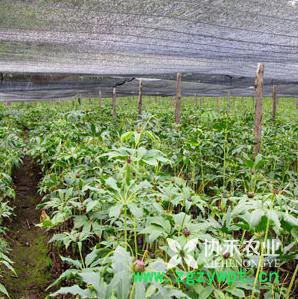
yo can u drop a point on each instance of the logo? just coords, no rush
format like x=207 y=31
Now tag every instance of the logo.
x=182 y=253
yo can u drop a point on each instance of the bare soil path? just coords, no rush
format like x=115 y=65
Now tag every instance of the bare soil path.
x=28 y=243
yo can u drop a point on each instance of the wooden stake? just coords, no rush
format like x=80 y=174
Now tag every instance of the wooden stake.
x=178 y=99
x=229 y=101
x=196 y=100
x=100 y=98
x=114 y=103
x=259 y=85
x=274 y=101
x=140 y=99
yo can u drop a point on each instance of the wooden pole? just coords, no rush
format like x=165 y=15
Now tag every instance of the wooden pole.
x=178 y=99
x=114 y=103
x=274 y=101
x=229 y=101
x=201 y=102
x=259 y=85
x=140 y=99
x=196 y=100
x=100 y=98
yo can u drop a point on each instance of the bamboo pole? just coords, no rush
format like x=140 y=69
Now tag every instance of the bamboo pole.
x=140 y=99
x=114 y=113
x=178 y=99
x=259 y=85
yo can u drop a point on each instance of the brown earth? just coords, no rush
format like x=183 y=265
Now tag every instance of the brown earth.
x=28 y=243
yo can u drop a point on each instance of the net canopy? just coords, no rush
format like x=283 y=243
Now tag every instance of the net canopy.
x=65 y=48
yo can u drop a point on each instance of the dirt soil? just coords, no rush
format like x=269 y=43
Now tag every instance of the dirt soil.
x=28 y=243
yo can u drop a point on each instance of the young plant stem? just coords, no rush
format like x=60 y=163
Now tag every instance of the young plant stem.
x=135 y=237
x=132 y=291
x=261 y=258
x=125 y=226
x=291 y=283
x=202 y=173
x=225 y=157
x=81 y=255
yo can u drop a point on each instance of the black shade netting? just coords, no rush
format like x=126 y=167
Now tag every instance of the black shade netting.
x=57 y=49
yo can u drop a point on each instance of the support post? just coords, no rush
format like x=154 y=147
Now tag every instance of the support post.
x=229 y=101
x=196 y=100
x=114 y=103
x=259 y=85
x=274 y=101
x=140 y=99
x=178 y=99
x=100 y=98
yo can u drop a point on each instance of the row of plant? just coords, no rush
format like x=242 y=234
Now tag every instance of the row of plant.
x=11 y=146
x=124 y=196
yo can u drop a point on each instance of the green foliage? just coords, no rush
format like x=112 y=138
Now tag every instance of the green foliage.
x=11 y=147
x=117 y=191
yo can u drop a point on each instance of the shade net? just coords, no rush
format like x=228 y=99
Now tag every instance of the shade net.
x=60 y=49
